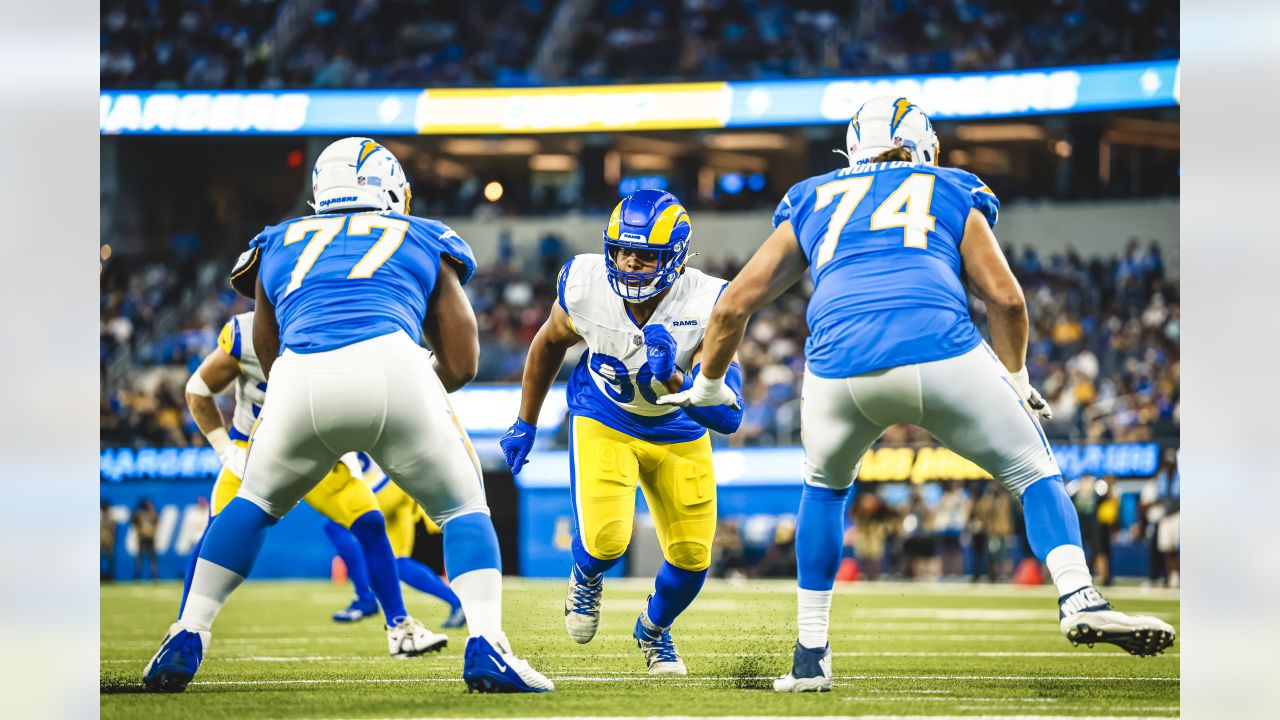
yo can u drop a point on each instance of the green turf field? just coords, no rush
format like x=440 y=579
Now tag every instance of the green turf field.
x=900 y=650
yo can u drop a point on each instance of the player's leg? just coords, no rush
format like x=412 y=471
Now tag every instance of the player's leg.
x=224 y=489
x=444 y=477
x=971 y=408
x=835 y=433
x=343 y=498
x=680 y=487
x=286 y=459
x=348 y=548
x=604 y=471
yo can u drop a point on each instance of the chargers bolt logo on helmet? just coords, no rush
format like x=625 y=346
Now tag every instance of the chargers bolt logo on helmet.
x=357 y=173
x=886 y=122
x=650 y=221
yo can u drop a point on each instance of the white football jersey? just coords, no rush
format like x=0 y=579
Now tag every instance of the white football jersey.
x=236 y=339
x=615 y=360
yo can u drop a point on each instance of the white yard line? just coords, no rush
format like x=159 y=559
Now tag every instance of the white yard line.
x=593 y=656
x=607 y=679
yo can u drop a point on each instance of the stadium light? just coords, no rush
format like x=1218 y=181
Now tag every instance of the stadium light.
x=493 y=191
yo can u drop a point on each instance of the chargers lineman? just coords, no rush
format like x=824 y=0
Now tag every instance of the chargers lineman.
x=347 y=294
x=340 y=496
x=642 y=314
x=889 y=242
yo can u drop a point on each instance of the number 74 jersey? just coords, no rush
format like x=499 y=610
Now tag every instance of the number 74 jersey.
x=883 y=244
x=336 y=279
x=612 y=383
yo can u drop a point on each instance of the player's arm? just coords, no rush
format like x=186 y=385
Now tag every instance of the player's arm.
x=989 y=276
x=776 y=266
x=546 y=355
x=215 y=373
x=266 y=330
x=724 y=419
x=450 y=327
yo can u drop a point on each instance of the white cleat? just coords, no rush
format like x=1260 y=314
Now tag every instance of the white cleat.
x=1087 y=617
x=810 y=671
x=410 y=639
x=658 y=647
x=582 y=606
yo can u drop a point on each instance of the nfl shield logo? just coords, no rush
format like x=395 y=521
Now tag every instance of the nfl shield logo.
x=638 y=340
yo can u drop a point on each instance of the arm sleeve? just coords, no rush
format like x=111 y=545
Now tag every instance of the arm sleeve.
x=230 y=339
x=721 y=418
x=786 y=205
x=984 y=200
x=456 y=250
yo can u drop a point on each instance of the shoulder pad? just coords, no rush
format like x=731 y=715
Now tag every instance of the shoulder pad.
x=244 y=276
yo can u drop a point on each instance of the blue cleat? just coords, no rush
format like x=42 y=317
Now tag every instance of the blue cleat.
x=456 y=619
x=810 y=671
x=490 y=667
x=177 y=661
x=658 y=647
x=357 y=610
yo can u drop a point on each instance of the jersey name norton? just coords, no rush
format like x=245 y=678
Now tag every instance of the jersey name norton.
x=883 y=244
x=612 y=382
x=341 y=278
x=236 y=340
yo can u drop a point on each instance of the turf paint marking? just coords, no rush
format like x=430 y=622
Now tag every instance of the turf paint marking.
x=599 y=679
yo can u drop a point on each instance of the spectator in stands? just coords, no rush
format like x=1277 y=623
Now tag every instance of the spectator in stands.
x=145 y=522
x=918 y=546
x=1108 y=517
x=106 y=542
x=950 y=517
x=991 y=526
x=874 y=523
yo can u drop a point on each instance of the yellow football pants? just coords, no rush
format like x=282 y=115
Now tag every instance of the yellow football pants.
x=340 y=496
x=678 y=482
x=402 y=513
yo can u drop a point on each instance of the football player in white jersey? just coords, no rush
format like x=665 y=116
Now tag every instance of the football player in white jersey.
x=341 y=496
x=642 y=314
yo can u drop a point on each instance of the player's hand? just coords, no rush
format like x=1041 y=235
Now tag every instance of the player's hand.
x=704 y=393
x=1022 y=383
x=517 y=443
x=234 y=458
x=660 y=349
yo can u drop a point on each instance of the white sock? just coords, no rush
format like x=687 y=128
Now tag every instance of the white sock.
x=813 y=616
x=480 y=592
x=211 y=585
x=1068 y=568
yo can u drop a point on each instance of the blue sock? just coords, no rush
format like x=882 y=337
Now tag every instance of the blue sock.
x=470 y=544
x=424 y=579
x=371 y=530
x=348 y=548
x=1050 y=516
x=234 y=538
x=191 y=570
x=820 y=535
x=590 y=566
x=674 y=589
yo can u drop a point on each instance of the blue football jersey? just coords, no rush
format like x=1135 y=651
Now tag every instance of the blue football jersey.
x=336 y=279
x=883 y=244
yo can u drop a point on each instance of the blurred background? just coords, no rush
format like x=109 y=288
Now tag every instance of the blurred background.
x=521 y=124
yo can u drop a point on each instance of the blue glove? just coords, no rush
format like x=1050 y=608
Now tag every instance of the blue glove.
x=660 y=349
x=517 y=443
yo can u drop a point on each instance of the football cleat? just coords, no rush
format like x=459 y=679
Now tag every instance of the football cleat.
x=356 y=611
x=177 y=661
x=658 y=647
x=810 y=671
x=456 y=619
x=1086 y=617
x=489 y=666
x=582 y=606
x=410 y=639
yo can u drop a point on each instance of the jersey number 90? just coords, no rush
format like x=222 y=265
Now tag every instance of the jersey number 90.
x=618 y=385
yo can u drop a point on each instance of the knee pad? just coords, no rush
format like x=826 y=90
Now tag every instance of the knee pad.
x=610 y=540
x=689 y=555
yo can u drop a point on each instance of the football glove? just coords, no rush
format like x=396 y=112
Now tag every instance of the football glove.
x=517 y=443
x=1022 y=383
x=234 y=458
x=660 y=349
x=705 y=392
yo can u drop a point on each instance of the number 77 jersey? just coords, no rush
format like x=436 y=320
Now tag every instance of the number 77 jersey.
x=883 y=244
x=336 y=279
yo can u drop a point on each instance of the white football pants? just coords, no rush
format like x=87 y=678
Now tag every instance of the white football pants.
x=966 y=402
x=380 y=396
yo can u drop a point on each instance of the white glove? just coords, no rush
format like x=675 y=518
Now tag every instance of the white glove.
x=1022 y=383
x=233 y=456
x=704 y=393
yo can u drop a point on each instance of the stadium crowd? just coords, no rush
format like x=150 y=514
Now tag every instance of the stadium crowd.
x=210 y=44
